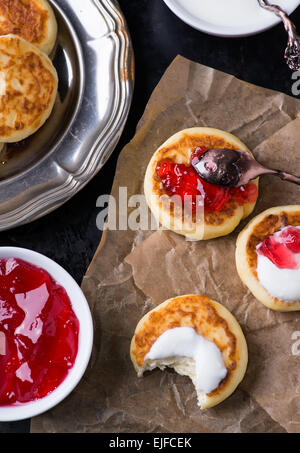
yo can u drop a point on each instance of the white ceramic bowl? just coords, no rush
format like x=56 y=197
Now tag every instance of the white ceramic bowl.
x=262 y=22
x=82 y=311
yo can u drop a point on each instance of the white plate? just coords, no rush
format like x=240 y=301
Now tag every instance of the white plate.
x=210 y=16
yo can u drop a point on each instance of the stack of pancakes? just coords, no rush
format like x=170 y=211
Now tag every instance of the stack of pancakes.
x=28 y=79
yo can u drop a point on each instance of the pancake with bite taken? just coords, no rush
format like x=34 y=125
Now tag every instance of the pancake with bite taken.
x=213 y=323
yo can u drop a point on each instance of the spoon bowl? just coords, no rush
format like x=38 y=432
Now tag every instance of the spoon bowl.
x=235 y=168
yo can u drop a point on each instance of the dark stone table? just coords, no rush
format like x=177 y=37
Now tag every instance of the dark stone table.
x=69 y=235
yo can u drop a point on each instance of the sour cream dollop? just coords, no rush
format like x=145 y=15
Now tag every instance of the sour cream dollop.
x=278 y=264
x=185 y=342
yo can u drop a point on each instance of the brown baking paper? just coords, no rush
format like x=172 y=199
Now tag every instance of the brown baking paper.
x=133 y=271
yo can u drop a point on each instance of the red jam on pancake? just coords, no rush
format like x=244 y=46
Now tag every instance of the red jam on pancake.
x=183 y=180
x=281 y=248
x=181 y=201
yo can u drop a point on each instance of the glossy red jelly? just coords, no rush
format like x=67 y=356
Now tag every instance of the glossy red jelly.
x=183 y=180
x=38 y=332
x=282 y=247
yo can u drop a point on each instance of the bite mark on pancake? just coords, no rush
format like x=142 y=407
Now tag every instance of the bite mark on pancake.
x=194 y=311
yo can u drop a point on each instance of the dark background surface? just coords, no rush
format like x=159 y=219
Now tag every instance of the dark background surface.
x=69 y=235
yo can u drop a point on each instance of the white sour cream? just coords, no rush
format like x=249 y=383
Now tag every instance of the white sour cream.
x=185 y=342
x=233 y=13
x=283 y=284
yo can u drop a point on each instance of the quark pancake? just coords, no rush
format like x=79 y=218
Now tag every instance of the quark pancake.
x=261 y=227
x=32 y=20
x=178 y=149
x=28 y=88
x=209 y=319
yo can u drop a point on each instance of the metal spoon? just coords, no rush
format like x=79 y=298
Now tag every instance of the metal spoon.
x=228 y=167
x=292 y=52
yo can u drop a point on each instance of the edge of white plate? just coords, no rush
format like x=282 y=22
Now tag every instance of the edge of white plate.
x=217 y=30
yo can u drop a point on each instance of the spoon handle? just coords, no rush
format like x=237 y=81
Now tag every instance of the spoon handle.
x=292 y=51
x=260 y=170
x=288 y=177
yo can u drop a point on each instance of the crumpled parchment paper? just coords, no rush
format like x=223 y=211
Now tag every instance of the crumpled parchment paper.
x=133 y=271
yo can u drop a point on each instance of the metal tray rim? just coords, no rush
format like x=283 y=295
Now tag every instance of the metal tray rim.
x=50 y=198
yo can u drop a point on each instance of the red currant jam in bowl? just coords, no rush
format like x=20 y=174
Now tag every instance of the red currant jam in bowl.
x=39 y=332
x=183 y=180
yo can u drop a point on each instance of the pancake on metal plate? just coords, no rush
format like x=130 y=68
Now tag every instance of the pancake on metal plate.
x=28 y=88
x=179 y=149
x=211 y=320
x=32 y=20
x=265 y=224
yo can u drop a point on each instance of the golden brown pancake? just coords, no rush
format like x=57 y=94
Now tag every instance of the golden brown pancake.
x=178 y=149
x=262 y=226
x=32 y=20
x=28 y=88
x=211 y=320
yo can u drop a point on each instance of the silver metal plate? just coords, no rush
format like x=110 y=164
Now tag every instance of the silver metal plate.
x=94 y=61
